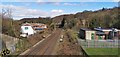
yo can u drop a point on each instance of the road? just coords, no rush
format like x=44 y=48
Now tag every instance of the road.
x=45 y=47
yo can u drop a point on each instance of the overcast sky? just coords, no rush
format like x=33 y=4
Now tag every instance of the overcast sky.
x=52 y=8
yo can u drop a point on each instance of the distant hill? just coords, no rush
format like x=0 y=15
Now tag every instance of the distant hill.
x=46 y=20
x=106 y=18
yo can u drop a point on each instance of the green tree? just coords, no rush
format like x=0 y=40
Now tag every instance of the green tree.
x=72 y=23
x=94 y=23
x=107 y=21
x=62 y=23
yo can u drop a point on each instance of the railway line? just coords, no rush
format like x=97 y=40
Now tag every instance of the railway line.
x=45 y=47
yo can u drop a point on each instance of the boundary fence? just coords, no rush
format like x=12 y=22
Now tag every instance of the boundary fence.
x=99 y=43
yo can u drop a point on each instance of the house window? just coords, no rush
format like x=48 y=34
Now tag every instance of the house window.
x=26 y=28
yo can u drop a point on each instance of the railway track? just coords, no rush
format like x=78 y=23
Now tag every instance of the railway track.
x=45 y=47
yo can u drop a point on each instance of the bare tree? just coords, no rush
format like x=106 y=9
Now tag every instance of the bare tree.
x=0 y=23
x=7 y=14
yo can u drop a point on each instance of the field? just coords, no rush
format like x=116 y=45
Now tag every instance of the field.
x=102 y=51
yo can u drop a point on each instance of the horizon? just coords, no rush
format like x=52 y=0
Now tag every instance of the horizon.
x=22 y=10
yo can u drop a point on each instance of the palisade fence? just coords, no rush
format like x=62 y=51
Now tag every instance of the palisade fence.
x=99 y=43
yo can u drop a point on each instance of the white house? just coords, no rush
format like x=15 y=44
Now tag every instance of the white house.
x=26 y=30
x=30 y=28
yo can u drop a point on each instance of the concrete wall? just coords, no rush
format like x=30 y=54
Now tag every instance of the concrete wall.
x=9 y=42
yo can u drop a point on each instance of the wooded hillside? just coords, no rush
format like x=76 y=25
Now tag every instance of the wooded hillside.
x=106 y=18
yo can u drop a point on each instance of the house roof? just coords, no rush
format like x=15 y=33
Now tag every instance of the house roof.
x=100 y=29
x=103 y=29
x=86 y=29
x=34 y=25
x=26 y=24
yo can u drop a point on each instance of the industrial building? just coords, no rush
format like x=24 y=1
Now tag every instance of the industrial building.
x=99 y=33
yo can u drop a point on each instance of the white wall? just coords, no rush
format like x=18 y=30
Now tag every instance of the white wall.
x=29 y=30
x=88 y=34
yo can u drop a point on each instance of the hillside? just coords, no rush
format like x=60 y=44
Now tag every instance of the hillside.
x=106 y=18
x=46 y=20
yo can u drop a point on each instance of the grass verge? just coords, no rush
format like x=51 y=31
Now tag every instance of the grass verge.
x=104 y=52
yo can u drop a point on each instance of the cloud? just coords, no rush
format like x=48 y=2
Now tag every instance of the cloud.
x=70 y=4
x=116 y=0
x=19 y=12
x=40 y=1
x=60 y=3
x=53 y=3
x=57 y=3
x=57 y=11
x=49 y=0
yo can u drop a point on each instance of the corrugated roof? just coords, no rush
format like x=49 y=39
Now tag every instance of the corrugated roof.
x=86 y=29
x=107 y=29
x=34 y=25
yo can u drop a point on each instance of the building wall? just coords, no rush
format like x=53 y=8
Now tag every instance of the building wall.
x=82 y=34
x=29 y=31
x=119 y=35
x=89 y=35
x=102 y=37
x=116 y=35
x=106 y=32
